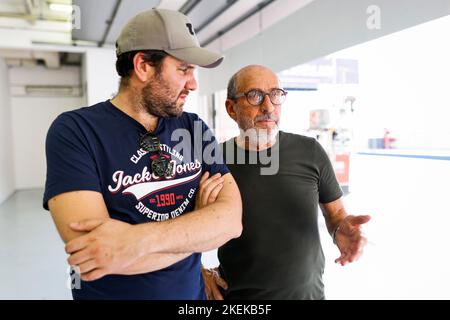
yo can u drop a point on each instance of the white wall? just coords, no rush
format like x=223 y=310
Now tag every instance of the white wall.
x=316 y=30
x=404 y=86
x=6 y=151
x=31 y=116
x=102 y=80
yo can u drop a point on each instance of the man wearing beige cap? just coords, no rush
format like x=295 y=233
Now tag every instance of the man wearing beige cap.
x=133 y=208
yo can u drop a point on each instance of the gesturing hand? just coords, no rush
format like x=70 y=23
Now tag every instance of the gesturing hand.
x=208 y=190
x=350 y=239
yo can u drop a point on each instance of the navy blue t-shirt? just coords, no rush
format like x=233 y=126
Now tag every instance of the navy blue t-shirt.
x=97 y=148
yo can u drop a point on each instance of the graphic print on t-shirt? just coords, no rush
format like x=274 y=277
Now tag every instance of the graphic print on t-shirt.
x=159 y=198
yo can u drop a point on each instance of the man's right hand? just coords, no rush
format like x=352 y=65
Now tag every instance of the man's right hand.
x=213 y=281
x=208 y=190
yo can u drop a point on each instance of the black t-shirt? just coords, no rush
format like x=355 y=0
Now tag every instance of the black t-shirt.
x=279 y=255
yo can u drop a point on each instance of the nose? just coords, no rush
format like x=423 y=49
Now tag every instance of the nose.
x=267 y=105
x=191 y=84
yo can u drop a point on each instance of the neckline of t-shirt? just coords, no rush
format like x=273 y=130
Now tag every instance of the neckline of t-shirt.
x=280 y=136
x=133 y=121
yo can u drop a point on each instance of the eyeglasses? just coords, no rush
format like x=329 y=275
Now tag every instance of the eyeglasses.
x=256 y=97
x=161 y=166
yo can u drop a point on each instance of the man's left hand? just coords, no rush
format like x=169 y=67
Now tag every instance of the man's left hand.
x=350 y=239
x=108 y=247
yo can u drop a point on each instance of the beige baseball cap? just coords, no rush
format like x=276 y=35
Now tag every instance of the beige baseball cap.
x=167 y=30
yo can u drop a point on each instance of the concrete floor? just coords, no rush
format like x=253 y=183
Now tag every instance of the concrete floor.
x=33 y=261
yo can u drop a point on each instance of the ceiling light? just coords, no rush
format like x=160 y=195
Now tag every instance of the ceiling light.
x=60 y=7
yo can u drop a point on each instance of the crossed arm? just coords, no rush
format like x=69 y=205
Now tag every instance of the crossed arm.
x=99 y=245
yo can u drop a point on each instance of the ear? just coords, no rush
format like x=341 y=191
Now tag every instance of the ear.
x=143 y=70
x=231 y=109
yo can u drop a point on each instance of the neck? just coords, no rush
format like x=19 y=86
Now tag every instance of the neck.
x=244 y=142
x=130 y=102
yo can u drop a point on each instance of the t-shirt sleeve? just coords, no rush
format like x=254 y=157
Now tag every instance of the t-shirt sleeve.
x=70 y=161
x=329 y=189
x=212 y=154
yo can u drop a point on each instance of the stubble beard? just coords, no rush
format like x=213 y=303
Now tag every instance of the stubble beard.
x=159 y=100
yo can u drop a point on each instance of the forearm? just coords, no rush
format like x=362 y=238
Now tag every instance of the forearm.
x=199 y=231
x=334 y=220
x=154 y=262
x=333 y=212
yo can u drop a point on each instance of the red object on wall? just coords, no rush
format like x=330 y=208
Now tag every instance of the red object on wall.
x=387 y=140
x=341 y=168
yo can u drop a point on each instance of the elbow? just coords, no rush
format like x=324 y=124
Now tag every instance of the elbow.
x=231 y=226
x=237 y=230
x=237 y=227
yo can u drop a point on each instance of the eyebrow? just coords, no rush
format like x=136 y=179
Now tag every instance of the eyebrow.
x=186 y=65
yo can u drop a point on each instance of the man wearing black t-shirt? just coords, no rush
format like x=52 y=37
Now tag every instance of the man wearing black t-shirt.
x=282 y=178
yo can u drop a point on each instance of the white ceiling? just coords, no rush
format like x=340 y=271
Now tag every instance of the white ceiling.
x=102 y=20
x=33 y=10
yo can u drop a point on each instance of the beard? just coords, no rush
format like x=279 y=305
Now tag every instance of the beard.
x=259 y=136
x=159 y=100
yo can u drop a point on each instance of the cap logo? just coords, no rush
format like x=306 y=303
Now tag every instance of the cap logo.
x=190 y=28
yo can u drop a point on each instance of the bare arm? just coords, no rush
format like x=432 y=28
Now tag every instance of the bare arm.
x=346 y=231
x=112 y=246
x=201 y=230
x=81 y=205
x=207 y=193
x=153 y=262
x=73 y=207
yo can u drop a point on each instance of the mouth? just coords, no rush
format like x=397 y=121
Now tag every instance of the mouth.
x=184 y=96
x=266 y=122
